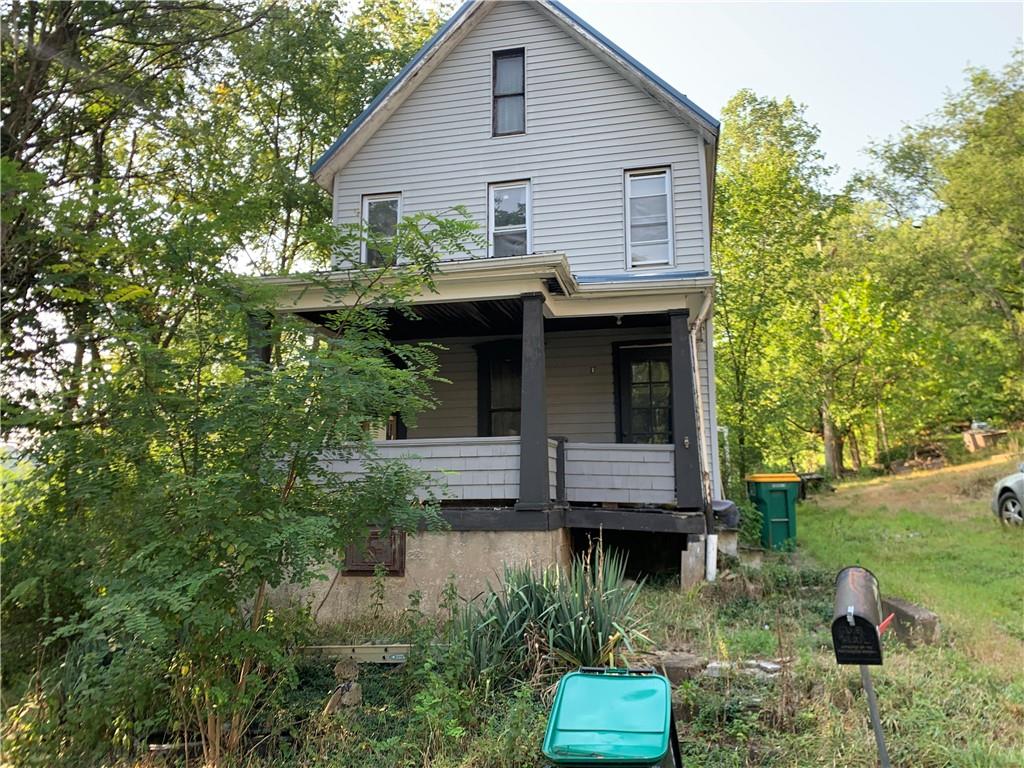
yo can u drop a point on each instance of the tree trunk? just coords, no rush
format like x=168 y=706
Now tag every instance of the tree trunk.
x=881 y=434
x=833 y=444
x=854 y=450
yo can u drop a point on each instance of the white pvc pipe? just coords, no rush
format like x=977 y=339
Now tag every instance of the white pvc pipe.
x=711 y=556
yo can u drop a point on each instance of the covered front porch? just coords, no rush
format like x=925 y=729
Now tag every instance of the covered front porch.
x=564 y=404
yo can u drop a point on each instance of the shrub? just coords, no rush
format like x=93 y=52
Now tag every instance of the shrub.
x=537 y=623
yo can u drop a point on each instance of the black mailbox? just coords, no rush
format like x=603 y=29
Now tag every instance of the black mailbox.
x=855 y=634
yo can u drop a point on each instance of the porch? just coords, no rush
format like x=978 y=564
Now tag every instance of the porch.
x=562 y=406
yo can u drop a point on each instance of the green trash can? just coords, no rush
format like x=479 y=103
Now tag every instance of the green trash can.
x=611 y=717
x=775 y=496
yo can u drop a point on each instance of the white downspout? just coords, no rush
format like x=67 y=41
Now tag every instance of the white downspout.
x=711 y=540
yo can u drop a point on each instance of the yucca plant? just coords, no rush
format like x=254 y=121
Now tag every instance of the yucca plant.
x=536 y=623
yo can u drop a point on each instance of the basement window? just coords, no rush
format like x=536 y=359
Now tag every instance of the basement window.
x=382 y=549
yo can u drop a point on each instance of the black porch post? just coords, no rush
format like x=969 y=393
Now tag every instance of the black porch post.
x=534 y=492
x=685 y=438
x=257 y=329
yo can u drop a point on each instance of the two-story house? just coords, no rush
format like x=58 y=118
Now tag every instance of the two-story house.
x=577 y=340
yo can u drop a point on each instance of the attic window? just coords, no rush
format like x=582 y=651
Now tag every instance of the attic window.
x=380 y=216
x=509 y=92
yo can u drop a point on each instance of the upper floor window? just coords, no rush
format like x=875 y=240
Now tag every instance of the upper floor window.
x=648 y=223
x=509 y=218
x=380 y=215
x=509 y=92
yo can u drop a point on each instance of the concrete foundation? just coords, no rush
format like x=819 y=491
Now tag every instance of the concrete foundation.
x=474 y=558
x=692 y=565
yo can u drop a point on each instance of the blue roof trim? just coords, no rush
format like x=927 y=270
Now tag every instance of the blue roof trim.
x=680 y=97
x=420 y=55
x=637 y=277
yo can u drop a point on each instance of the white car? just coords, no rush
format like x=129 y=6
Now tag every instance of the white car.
x=1007 y=497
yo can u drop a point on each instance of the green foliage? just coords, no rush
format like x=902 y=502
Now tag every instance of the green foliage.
x=852 y=324
x=537 y=623
x=769 y=208
x=751 y=521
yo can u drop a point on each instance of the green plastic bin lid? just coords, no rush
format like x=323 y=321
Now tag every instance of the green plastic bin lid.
x=616 y=719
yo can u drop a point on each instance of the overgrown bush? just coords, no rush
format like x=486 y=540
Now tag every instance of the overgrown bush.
x=143 y=546
x=539 y=622
x=751 y=521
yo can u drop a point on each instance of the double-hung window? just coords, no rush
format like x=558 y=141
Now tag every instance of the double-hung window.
x=509 y=218
x=648 y=218
x=509 y=92
x=380 y=217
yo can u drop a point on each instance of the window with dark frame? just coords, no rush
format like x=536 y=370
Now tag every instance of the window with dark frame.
x=509 y=92
x=499 y=384
x=382 y=549
x=645 y=394
x=380 y=216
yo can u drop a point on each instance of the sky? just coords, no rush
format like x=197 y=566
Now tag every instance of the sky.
x=864 y=69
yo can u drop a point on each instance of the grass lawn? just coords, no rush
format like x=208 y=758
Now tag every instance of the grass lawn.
x=931 y=538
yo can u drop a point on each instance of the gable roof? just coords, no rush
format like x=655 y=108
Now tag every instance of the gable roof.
x=468 y=15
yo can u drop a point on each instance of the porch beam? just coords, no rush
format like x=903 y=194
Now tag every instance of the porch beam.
x=534 y=490
x=689 y=488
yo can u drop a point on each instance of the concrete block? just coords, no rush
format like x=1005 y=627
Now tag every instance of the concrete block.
x=678 y=666
x=691 y=570
x=348 y=694
x=346 y=670
x=913 y=624
x=728 y=543
x=752 y=558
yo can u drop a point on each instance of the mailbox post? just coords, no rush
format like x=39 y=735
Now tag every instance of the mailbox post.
x=857 y=636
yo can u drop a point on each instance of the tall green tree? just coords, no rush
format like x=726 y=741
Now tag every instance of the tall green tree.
x=150 y=153
x=770 y=207
x=952 y=184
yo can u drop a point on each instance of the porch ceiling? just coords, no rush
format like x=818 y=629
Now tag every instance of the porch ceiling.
x=500 y=317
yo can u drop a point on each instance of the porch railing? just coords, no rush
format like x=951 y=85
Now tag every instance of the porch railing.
x=487 y=469
x=624 y=474
x=465 y=468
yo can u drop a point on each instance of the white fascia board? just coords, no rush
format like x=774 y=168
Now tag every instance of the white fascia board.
x=489 y=279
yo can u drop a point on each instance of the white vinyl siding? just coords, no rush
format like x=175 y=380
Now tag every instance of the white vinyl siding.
x=509 y=218
x=648 y=218
x=586 y=126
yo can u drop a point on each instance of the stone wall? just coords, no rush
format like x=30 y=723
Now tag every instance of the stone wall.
x=474 y=557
